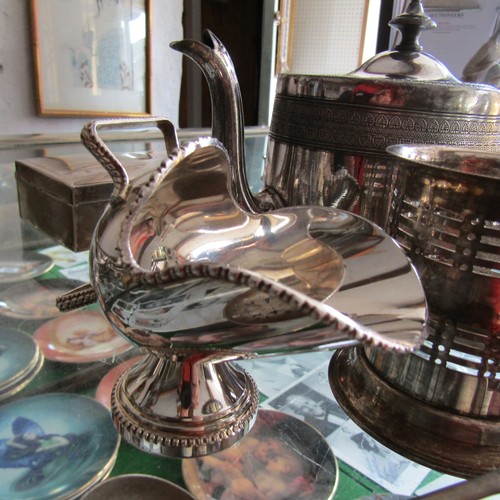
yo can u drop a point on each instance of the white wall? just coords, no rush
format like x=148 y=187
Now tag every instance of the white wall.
x=328 y=36
x=17 y=95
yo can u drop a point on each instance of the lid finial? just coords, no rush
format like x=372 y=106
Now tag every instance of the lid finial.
x=410 y=24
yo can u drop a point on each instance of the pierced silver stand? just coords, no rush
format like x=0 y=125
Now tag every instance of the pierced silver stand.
x=440 y=405
x=449 y=442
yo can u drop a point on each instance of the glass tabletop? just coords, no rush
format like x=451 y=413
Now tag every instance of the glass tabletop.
x=83 y=357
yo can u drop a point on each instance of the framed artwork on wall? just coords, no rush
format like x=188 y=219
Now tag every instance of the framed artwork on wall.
x=92 y=57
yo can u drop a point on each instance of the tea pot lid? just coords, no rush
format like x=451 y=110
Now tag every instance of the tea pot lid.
x=407 y=60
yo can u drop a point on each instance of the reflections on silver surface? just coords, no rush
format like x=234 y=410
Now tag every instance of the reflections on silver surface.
x=327 y=129
x=190 y=405
x=460 y=162
x=189 y=216
x=184 y=272
x=190 y=265
x=446 y=216
x=194 y=269
x=448 y=441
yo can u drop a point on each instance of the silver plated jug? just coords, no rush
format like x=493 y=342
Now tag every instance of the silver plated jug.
x=195 y=269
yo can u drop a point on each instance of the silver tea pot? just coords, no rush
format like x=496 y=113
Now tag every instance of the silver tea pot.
x=329 y=134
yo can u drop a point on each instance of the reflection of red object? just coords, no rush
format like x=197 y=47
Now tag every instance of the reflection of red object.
x=105 y=387
x=367 y=88
x=141 y=234
x=475 y=165
x=371 y=93
x=189 y=384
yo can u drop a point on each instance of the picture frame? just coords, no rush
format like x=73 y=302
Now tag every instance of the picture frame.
x=92 y=58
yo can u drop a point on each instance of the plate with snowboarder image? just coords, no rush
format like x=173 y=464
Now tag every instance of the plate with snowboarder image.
x=54 y=446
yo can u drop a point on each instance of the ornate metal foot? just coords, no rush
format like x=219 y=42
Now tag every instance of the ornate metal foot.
x=184 y=405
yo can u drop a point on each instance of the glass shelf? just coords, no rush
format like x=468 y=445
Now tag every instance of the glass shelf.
x=296 y=385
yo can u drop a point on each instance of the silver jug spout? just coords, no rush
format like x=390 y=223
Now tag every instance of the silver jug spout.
x=228 y=123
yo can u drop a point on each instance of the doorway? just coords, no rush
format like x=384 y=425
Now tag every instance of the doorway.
x=239 y=27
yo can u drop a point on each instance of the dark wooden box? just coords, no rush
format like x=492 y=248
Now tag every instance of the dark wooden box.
x=65 y=196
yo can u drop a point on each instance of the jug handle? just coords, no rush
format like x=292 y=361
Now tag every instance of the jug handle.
x=109 y=161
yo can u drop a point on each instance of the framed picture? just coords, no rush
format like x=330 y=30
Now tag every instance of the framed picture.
x=92 y=57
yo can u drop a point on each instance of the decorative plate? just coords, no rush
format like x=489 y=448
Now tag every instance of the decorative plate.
x=19 y=265
x=34 y=299
x=54 y=446
x=20 y=361
x=281 y=457
x=136 y=486
x=80 y=337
